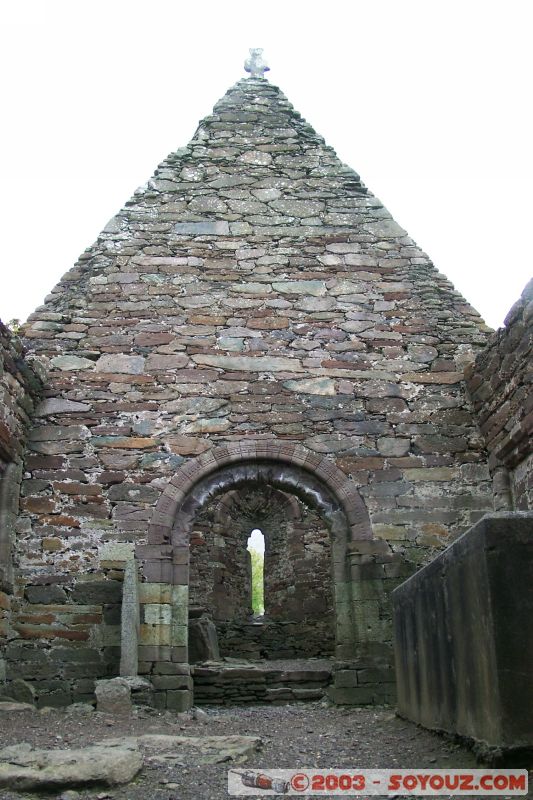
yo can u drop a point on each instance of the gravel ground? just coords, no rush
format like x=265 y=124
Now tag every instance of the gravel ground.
x=293 y=736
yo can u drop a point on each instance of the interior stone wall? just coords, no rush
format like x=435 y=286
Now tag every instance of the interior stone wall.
x=298 y=580
x=20 y=385
x=500 y=383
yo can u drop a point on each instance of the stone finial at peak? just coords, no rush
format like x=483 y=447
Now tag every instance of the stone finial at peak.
x=256 y=64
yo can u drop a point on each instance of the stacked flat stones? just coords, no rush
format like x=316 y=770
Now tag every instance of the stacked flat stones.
x=20 y=384
x=501 y=385
x=253 y=289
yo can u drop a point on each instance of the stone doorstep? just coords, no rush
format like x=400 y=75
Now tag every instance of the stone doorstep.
x=259 y=683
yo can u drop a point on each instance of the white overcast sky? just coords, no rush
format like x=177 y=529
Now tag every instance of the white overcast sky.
x=429 y=101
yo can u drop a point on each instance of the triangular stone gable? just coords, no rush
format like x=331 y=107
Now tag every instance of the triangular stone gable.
x=255 y=289
x=255 y=170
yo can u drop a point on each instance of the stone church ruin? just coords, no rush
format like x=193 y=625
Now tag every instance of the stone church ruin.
x=252 y=342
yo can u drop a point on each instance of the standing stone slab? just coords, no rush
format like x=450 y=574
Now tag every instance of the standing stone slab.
x=129 y=621
x=464 y=637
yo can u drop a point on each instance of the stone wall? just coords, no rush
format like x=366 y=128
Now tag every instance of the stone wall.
x=464 y=637
x=298 y=575
x=252 y=292
x=501 y=386
x=270 y=683
x=21 y=379
x=20 y=384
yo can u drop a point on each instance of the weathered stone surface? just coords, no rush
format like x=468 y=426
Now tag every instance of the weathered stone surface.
x=503 y=405
x=92 y=592
x=53 y=433
x=129 y=621
x=46 y=594
x=203 y=641
x=113 y=697
x=442 y=654
x=385 y=229
x=154 y=363
x=24 y=769
x=22 y=692
x=214 y=227
x=69 y=363
x=166 y=749
x=187 y=445
x=250 y=363
x=312 y=386
x=133 y=365
x=312 y=288
x=58 y=405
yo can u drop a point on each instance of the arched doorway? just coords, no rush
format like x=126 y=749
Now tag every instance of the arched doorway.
x=263 y=466
x=297 y=616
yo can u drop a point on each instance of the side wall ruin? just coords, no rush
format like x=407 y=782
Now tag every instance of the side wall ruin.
x=20 y=385
x=500 y=383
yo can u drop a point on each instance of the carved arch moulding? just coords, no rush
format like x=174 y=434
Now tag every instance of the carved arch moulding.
x=289 y=466
x=164 y=560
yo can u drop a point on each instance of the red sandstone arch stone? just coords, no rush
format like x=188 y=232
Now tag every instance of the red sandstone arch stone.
x=319 y=467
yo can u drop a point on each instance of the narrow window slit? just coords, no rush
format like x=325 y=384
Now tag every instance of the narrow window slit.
x=256 y=548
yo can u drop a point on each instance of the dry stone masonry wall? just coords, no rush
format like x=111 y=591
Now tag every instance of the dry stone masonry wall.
x=501 y=385
x=20 y=384
x=253 y=291
x=298 y=620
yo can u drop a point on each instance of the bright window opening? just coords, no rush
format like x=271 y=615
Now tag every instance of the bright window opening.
x=256 y=548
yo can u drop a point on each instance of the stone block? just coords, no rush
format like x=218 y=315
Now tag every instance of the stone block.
x=45 y=594
x=98 y=591
x=155 y=593
x=118 y=362
x=164 y=682
x=465 y=621
x=114 y=555
x=154 y=653
x=113 y=697
x=129 y=620
x=56 y=698
x=179 y=700
x=155 y=635
x=203 y=641
x=157 y=614
x=351 y=696
x=208 y=227
x=169 y=668
x=178 y=636
x=346 y=678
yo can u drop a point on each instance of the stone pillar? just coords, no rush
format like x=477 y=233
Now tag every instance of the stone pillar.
x=130 y=622
x=164 y=612
x=365 y=676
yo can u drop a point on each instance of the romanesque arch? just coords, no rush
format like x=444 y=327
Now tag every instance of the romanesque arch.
x=285 y=466
x=318 y=469
x=298 y=613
